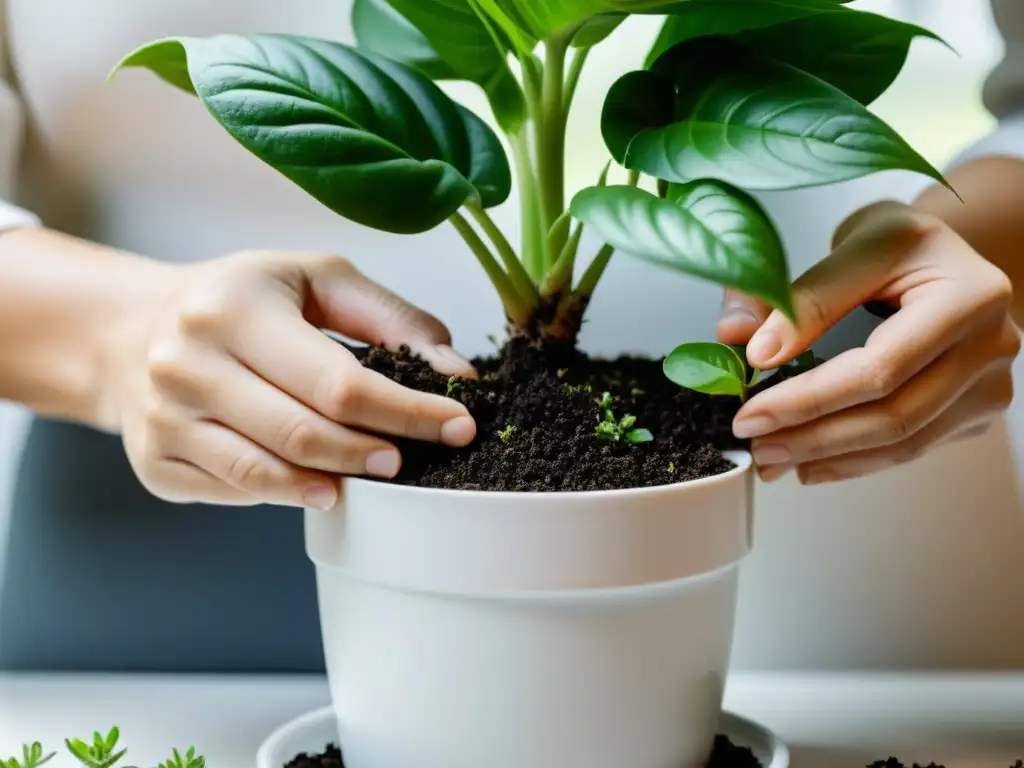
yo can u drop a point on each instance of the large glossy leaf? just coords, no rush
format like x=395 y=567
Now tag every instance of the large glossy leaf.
x=701 y=18
x=714 y=369
x=706 y=229
x=373 y=140
x=858 y=52
x=379 y=28
x=712 y=108
x=598 y=28
x=465 y=41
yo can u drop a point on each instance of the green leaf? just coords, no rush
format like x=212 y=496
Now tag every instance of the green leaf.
x=701 y=18
x=371 y=139
x=381 y=29
x=712 y=108
x=860 y=53
x=597 y=29
x=457 y=35
x=706 y=229
x=638 y=436
x=714 y=369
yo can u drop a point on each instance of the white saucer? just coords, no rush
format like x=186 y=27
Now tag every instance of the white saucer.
x=312 y=732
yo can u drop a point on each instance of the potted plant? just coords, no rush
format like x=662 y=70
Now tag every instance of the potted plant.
x=562 y=592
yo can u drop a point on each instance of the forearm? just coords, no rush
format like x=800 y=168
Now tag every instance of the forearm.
x=66 y=307
x=991 y=216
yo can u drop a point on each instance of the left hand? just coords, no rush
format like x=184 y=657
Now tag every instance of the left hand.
x=937 y=370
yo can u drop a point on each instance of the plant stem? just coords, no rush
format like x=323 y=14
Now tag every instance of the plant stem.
x=550 y=124
x=579 y=58
x=517 y=274
x=633 y=179
x=594 y=272
x=560 y=275
x=514 y=304
x=533 y=235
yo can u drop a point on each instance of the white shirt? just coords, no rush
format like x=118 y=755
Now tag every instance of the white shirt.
x=911 y=567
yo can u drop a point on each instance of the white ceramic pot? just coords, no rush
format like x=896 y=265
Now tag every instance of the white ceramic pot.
x=501 y=630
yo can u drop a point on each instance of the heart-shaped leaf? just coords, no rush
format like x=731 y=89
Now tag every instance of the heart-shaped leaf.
x=702 y=18
x=381 y=29
x=712 y=108
x=714 y=369
x=460 y=37
x=371 y=139
x=860 y=53
x=706 y=229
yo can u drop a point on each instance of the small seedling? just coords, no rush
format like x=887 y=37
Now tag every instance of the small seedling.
x=190 y=760
x=32 y=757
x=718 y=369
x=614 y=430
x=453 y=385
x=99 y=754
x=671 y=467
x=506 y=434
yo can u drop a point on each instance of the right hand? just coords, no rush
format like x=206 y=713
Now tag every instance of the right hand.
x=229 y=393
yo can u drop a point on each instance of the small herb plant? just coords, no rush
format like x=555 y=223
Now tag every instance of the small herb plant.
x=616 y=430
x=102 y=752
x=736 y=97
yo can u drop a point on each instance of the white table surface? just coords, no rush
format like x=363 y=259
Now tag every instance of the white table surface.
x=830 y=721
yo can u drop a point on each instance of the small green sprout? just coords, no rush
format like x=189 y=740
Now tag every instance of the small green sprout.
x=99 y=754
x=190 y=760
x=576 y=389
x=561 y=372
x=613 y=430
x=453 y=385
x=671 y=467
x=32 y=757
x=506 y=434
x=718 y=369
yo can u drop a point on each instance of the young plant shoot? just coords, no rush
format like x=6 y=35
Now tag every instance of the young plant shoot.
x=102 y=752
x=615 y=430
x=736 y=96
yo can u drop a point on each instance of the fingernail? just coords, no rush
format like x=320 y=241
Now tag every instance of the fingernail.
x=773 y=474
x=383 y=463
x=459 y=431
x=820 y=477
x=452 y=357
x=772 y=453
x=764 y=346
x=320 y=497
x=750 y=427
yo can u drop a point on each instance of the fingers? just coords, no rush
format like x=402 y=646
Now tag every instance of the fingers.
x=928 y=325
x=225 y=392
x=362 y=309
x=969 y=417
x=292 y=355
x=741 y=316
x=244 y=466
x=856 y=271
x=896 y=418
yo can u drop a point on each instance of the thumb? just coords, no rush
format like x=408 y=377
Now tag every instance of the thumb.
x=362 y=309
x=741 y=316
x=870 y=248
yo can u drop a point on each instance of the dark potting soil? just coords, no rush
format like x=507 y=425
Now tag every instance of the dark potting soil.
x=536 y=415
x=725 y=755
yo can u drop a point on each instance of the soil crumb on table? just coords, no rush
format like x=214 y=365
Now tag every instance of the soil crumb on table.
x=537 y=414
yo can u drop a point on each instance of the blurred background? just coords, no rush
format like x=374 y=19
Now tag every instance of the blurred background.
x=911 y=569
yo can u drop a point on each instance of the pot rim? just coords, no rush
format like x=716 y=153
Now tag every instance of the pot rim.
x=743 y=460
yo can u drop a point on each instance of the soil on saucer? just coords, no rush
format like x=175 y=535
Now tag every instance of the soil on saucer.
x=536 y=415
x=725 y=755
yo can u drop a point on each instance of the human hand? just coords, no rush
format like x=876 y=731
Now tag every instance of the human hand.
x=937 y=370
x=229 y=393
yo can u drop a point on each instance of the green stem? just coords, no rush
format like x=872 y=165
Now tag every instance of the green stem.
x=533 y=234
x=514 y=305
x=579 y=58
x=588 y=283
x=551 y=135
x=561 y=273
x=633 y=179
x=520 y=280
